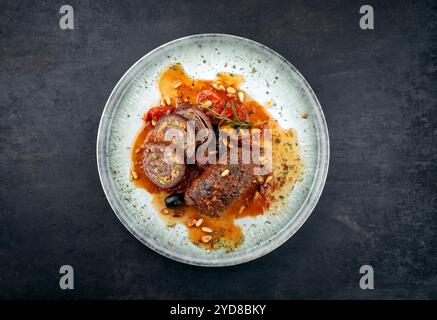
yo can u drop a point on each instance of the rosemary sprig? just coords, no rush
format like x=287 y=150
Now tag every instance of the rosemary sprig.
x=237 y=123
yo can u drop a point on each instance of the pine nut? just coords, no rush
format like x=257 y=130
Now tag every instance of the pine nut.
x=207 y=230
x=260 y=179
x=153 y=122
x=206 y=239
x=177 y=84
x=168 y=100
x=191 y=222
x=165 y=211
x=199 y=222
x=256 y=195
x=207 y=104
x=222 y=87
x=162 y=102
x=241 y=96
x=241 y=209
x=269 y=103
x=225 y=173
x=268 y=179
x=231 y=90
x=134 y=174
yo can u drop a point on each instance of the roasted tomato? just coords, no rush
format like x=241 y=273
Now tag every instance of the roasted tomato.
x=158 y=112
x=217 y=102
x=239 y=110
x=220 y=106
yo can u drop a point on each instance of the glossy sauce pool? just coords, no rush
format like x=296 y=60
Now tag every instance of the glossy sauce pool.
x=226 y=234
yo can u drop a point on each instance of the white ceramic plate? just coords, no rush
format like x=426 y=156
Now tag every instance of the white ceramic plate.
x=268 y=76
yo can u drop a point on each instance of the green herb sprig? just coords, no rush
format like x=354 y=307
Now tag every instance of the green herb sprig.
x=237 y=123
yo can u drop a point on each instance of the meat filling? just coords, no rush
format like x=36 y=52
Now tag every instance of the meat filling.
x=164 y=174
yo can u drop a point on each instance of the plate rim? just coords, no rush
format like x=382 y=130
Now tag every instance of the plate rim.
x=282 y=235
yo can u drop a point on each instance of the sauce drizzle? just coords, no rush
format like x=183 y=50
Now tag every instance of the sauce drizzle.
x=288 y=166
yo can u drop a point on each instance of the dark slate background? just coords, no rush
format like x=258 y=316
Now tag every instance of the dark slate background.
x=378 y=90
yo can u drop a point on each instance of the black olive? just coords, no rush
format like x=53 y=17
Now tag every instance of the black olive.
x=174 y=200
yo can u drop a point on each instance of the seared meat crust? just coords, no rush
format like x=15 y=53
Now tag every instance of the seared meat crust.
x=214 y=190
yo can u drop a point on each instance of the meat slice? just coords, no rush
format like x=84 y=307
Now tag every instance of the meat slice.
x=216 y=189
x=171 y=121
x=200 y=119
x=164 y=174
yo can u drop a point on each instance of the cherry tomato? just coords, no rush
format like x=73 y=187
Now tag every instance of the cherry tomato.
x=157 y=112
x=217 y=102
x=219 y=106
x=228 y=113
x=241 y=113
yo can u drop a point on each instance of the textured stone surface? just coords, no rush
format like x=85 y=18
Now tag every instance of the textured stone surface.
x=378 y=90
